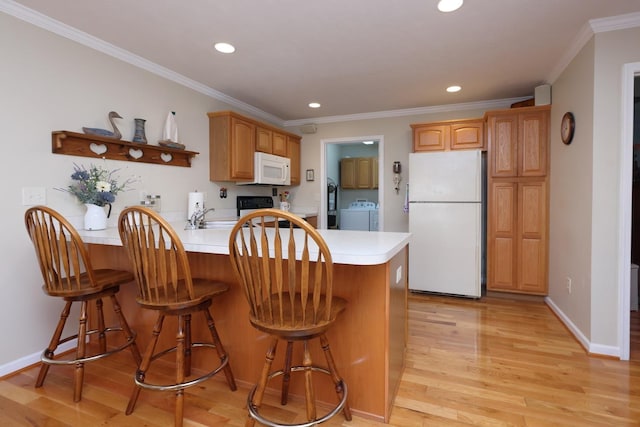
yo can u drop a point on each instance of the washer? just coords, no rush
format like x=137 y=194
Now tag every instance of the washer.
x=361 y=215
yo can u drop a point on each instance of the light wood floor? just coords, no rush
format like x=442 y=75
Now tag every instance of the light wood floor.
x=494 y=362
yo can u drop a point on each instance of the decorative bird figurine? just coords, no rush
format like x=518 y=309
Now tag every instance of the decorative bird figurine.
x=106 y=133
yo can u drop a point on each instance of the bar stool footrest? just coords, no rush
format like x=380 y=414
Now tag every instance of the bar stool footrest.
x=253 y=410
x=173 y=387
x=91 y=358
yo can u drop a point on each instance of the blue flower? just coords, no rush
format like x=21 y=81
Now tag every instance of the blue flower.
x=96 y=185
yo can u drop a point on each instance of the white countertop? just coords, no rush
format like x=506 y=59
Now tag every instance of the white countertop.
x=347 y=247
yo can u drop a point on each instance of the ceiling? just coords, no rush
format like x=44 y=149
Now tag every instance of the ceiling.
x=352 y=56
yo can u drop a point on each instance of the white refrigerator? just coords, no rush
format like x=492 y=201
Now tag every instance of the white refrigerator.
x=445 y=219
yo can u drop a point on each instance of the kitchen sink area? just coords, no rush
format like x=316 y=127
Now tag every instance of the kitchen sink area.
x=217 y=224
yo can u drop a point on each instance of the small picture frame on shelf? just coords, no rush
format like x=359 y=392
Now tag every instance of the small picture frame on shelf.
x=310 y=175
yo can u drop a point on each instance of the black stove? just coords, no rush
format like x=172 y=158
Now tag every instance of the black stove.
x=244 y=204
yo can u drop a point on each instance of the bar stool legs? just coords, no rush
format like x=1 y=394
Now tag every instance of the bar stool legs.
x=254 y=401
x=183 y=350
x=48 y=355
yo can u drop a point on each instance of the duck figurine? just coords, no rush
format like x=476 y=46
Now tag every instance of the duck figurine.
x=106 y=133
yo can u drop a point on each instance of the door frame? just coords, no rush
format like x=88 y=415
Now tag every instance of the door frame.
x=629 y=72
x=322 y=217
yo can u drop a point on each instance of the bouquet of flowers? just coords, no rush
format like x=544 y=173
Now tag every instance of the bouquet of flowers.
x=284 y=197
x=96 y=185
x=284 y=201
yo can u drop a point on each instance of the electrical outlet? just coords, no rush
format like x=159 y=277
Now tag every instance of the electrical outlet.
x=274 y=191
x=398 y=274
x=568 y=284
x=32 y=196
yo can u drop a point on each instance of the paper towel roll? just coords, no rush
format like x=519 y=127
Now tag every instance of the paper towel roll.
x=196 y=201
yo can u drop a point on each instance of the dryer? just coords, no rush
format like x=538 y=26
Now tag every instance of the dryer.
x=361 y=215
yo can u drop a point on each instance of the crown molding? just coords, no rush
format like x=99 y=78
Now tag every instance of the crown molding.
x=47 y=23
x=588 y=30
x=495 y=104
x=40 y=20
x=614 y=23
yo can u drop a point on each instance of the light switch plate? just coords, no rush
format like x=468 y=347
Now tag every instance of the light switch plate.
x=34 y=196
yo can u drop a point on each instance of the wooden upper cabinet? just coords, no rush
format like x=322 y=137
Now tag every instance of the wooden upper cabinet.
x=270 y=141
x=467 y=135
x=533 y=137
x=293 y=153
x=374 y=173
x=264 y=140
x=429 y=137
x=233 y=140
x=445 y=136
x=518 y=142
x=231 y=147
x=363 y=173
x=503 y=145
x=359 y=173
x=348 y=173
x=279 y=144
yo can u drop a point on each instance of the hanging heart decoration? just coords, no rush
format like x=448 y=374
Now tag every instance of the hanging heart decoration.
x=136 y=154
x=99 y=149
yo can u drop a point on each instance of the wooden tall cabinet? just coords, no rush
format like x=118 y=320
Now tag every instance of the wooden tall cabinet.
x=518 y=200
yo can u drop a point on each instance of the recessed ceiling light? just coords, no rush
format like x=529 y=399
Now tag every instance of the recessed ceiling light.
x=449 y=5
x=314 y=104
x=454 y=89
x=224 y=47
x=367 y=142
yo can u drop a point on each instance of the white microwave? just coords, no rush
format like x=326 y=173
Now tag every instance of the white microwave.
x=269 y=169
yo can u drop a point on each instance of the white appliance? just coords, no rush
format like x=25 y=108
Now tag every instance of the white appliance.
x=270 y=169
x=361 y=215
x=445 y=219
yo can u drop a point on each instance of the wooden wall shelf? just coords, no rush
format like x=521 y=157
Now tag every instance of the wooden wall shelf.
x=81 y=144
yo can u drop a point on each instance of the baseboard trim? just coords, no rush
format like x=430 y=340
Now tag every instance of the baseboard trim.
x=593 y=349
x=24 y=362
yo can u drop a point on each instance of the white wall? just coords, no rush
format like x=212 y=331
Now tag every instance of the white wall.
x=571 y=192
x=50 y=83
x=613 y=50
x=585 y=189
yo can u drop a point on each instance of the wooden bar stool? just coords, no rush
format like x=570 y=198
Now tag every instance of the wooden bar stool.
x=290 y=300
x=67 y=272
x=165 y=284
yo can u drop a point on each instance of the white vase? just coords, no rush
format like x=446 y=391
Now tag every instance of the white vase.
x=95 y=218
x=285 y=206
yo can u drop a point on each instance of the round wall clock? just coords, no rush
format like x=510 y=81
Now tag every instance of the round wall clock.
x=567 y=127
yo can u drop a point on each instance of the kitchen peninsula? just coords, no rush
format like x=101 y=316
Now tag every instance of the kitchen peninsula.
x=368 y=340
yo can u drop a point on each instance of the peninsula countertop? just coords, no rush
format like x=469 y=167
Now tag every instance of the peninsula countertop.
x=347 y=246
x=370 y=271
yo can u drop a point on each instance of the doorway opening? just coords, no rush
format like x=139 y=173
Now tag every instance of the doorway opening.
x=333 y=196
